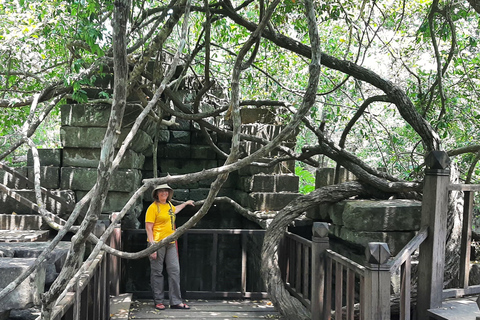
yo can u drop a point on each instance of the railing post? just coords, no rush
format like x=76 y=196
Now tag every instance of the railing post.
x=434 y=216
x=319 y=246
x=377 y=282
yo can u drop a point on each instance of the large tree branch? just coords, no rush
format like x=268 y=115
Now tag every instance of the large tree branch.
x=291 y=308
x=405 y=106
x=270 y=269
x=75 y=254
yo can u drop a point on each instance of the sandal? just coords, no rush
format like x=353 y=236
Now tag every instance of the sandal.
x=160 y=306
x=179 y=306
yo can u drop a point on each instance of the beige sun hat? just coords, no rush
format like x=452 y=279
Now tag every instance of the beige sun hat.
x=162 y=186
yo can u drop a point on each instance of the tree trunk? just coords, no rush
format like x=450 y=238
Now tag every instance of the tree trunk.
x=288 y=306
x=454 y=232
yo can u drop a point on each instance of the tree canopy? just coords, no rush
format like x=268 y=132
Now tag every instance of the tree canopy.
x=365 y=85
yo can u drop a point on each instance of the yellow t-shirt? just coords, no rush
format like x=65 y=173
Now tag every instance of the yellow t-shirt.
x=163 y=218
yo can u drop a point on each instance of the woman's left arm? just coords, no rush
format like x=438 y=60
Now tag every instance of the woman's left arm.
x=183 y=205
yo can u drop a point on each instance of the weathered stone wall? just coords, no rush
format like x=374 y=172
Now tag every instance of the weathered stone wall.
x=361 y=221
x=263 y=188
x=82 y=132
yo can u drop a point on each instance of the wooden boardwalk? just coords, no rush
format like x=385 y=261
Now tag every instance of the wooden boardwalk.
x=123 y=308
x=203 y=309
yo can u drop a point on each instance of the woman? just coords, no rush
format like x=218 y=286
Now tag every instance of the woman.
x=160 y=223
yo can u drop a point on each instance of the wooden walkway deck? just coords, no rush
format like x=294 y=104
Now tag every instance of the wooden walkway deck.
x=201 y=309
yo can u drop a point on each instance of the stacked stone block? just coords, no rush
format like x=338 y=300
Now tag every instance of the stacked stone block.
x=82 y=132
x=50 y=179
x=22 y=239
x=267 y=192
x=183 y=149
x=392 y=221
x=263 y=188
x=361 y=221
x=326 y=176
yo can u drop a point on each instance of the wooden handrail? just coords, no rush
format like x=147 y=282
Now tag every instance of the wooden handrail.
x=409 y=249
x=299 y=239
x=225 y=231
x=463 y=187
x=460 y=292
x=358 y=268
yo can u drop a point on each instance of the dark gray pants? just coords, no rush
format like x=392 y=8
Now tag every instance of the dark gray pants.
x=169 y=255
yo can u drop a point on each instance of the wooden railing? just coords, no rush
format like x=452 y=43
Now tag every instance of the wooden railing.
x=343 y=287
x=214 y=291
x=295 y=259
x=209 y=258
x=465 y=243
x=90 y=297
x=341 y=273
x=330 y=284
x=403 y=262
x=436 y=188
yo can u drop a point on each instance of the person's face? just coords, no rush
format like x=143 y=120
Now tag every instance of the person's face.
x=162 y=194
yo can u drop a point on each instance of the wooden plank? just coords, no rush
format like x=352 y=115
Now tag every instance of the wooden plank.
x=350 y=294
x=362 y=298
x=298 y=268
x=359 y=269
x=214 y=261
x=244 y=264
x=338 y=290
x=320 y=243
x=292 y=262
x=185 y=257
x=405 y=278
x=409 y=249
x=466 y=242
x=296 y=238
x=220 y=309
x=306 y=271
x=376 y=303
x=115 y=263
x=106 y=291
x=432 y=250
x=328 y=290
x=223 y=295
x=463 y=187
x=97 y=293
x=226 y=231
x=460 y=292
x=458 y=309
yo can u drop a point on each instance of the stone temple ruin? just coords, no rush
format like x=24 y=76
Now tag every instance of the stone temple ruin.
x=70 y=172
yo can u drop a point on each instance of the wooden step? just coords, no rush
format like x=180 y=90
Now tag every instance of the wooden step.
x=457 y=309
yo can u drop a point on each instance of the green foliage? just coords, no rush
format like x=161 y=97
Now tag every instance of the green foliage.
x=307 y=179
x=45 y=42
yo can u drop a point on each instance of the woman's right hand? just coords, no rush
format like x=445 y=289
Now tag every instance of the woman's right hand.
x=154 y=255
